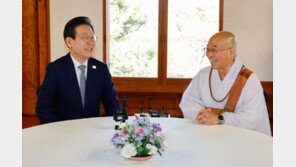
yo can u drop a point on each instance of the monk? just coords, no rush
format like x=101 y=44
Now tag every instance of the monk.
x=226 y=92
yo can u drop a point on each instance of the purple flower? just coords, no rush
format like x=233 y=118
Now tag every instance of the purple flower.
x=118 y=140
x=152 y=140
x=156 y=126
x=114 y=137
x=134 y=134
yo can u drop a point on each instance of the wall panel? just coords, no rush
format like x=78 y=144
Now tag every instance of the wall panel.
x=155 y=100
x=35 y=53
x=30 y=56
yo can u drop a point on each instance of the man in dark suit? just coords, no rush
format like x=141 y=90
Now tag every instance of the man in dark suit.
x=75 y=84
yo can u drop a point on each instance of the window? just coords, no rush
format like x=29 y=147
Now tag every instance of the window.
x=190 y=24
x=155 y=41
x=133 y=41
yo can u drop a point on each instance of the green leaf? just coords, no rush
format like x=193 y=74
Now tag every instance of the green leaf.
x=159 y=152
x=143 y=152
x=119 y=145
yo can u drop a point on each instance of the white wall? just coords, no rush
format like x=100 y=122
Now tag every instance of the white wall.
x=252 y=23
x=250 y=20
x=61 y=11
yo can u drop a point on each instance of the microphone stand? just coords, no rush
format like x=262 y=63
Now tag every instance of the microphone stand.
x=121 y=115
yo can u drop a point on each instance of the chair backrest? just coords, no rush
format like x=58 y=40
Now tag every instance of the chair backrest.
x=265 y=96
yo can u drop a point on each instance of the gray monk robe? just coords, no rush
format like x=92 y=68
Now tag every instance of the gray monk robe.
x=250 y=111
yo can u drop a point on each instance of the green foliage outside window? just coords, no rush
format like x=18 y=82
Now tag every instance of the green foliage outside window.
x=134 y=36
x=133 y=39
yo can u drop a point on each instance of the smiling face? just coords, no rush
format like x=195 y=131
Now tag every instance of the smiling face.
x=223 y=56
x=82 y=47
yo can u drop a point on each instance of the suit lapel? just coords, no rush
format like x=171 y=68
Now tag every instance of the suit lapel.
x=71 y=73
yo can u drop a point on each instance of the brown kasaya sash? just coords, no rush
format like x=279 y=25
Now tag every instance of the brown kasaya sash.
x=235 y=92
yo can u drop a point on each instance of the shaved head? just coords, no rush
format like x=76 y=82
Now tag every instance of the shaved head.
x=221 y=51
x=228 y=38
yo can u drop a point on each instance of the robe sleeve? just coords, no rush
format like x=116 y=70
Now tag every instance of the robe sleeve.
x=191 y=102
x=251 y=108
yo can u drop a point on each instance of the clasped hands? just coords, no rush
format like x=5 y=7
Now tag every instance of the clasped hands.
x=207 y=117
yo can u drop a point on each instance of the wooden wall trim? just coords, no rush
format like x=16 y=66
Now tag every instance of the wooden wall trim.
x=155 y=96
x=43 y=37
x=158 y=88
x=35 y=53
x=221 y=12
x=30 y=56
x=104 y=31
x=162 y=41
x=150 y=88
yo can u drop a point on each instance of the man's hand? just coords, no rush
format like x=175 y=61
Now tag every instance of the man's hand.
x=207 y=117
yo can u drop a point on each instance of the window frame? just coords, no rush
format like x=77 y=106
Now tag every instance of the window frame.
x=162 y=79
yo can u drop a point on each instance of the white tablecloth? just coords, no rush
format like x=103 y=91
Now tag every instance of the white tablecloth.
x=86 y=142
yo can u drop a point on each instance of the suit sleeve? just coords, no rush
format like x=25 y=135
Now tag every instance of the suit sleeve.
x=46 y=97
x=109 y=96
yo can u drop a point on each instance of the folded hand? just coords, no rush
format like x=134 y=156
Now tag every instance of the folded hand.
x=207 y=117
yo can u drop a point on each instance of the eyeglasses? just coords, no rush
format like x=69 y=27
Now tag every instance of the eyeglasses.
x=214 y=51
x=88 y=38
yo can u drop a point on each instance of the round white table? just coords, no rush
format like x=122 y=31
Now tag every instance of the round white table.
x=86 y=142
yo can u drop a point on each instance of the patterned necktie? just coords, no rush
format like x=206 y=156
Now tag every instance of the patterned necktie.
x=82 y=82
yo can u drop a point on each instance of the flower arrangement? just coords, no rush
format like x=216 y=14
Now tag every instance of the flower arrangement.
x=139 y=138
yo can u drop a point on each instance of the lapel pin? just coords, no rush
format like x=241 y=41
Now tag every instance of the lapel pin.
x=94 y=67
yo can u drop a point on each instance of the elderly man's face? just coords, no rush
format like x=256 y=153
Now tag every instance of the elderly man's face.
x=219 y=54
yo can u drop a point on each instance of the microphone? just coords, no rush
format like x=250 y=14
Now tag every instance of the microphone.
x=121 y=115
x=153 y=113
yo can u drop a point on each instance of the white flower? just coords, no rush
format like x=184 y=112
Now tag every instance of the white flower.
x=153 y=149
x=128 y=150
x=122 y=125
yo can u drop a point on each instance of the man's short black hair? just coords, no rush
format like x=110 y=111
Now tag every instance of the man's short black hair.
x=69 y=30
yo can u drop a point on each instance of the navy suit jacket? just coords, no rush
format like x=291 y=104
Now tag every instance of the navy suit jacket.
x=59 y=95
